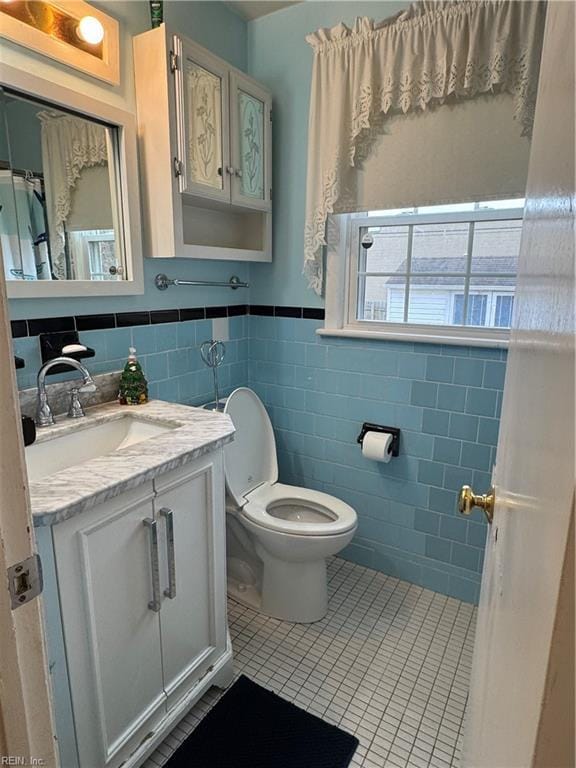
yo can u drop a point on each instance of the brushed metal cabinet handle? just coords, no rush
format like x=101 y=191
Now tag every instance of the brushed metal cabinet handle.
x=168 y=515
x=152 y=527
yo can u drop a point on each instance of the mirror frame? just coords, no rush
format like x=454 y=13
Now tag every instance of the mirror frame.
x=64 y=98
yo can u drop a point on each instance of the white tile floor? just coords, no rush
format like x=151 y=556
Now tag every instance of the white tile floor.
x=390 y=663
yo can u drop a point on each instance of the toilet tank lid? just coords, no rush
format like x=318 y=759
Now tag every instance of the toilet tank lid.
x=250 y=459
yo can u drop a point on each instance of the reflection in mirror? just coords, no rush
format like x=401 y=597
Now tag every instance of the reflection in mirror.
x=60 y=215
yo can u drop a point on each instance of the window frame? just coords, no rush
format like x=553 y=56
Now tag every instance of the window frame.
x=342 y=282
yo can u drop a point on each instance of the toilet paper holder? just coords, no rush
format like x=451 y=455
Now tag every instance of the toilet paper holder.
x=394 y=431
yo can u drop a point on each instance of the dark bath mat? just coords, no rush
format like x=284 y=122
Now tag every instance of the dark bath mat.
x=251 y=727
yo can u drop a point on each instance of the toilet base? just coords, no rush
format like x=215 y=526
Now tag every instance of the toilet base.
x=308 y=603
x=296 y=592
x=246 y=594
x=282 y=575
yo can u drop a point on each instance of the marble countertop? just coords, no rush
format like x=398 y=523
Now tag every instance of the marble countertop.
x=72 y=491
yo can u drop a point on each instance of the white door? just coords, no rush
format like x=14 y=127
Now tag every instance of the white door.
x=105 y=561
x=26 y=729
x=251 y=143
x=515 y=687
x=203 y=122
x=190 y=501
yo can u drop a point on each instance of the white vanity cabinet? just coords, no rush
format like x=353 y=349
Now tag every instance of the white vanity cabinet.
x=205 y=150
x=141 y=592
x=193 y=615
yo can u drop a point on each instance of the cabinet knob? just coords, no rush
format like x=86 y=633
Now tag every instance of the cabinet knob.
x=230 y=170
x=238 y=172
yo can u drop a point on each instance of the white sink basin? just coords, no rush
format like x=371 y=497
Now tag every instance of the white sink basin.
x=88 y=442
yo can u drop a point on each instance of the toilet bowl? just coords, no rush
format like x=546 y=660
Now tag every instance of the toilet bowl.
x=278 y=536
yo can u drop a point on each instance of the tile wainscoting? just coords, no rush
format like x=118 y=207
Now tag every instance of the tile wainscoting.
x=445 y=399
x=319 y=391
x=167 y=345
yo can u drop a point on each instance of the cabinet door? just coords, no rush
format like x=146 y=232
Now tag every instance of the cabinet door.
x=193 y=615
x=203 y=122
x=112 y=636
x=251 y=139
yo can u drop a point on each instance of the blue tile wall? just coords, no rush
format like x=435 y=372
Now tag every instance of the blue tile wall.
x=319 y=391
x=446 y=401
x=169 y=354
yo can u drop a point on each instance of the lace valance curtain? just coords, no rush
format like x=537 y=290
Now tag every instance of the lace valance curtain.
x=431 y=54
x=69 y=144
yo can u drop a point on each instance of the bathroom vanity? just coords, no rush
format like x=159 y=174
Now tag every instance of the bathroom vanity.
x=128 y=506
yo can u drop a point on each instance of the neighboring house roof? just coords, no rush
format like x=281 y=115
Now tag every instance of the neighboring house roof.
x=484 y=266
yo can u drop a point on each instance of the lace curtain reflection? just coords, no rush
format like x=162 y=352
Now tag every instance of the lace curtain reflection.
x=434 y=52
x=69 y=144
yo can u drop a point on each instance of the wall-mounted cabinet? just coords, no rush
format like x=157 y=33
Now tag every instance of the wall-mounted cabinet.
x=205 y=148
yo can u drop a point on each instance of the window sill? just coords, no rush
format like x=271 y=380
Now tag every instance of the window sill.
x=497 y=339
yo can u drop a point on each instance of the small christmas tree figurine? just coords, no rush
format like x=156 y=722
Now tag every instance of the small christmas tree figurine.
x=133 y=385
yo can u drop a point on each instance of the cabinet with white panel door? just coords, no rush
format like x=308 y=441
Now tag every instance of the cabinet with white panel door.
x=142 y=601
x=206 y=152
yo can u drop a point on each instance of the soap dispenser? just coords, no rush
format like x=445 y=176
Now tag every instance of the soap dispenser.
x=133 y=388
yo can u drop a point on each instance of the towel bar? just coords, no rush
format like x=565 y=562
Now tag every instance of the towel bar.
x=162 y=282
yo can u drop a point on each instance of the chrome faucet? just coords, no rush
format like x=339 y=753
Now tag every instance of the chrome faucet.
x=44 y=416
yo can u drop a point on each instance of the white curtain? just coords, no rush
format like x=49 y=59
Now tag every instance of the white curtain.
x=69 y=144
x=432 y=54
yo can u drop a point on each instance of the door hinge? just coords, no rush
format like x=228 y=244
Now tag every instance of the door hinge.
x=178 y=167
x=25 y=580
x=270 y=115
x=270 y=193
x=174 y=63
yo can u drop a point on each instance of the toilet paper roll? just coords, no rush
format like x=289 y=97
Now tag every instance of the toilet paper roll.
x=376 y=446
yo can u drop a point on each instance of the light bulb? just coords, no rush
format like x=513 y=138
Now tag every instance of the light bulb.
x=90 y=30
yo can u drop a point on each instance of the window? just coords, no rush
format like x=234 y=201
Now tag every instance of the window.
x=503 y=311
x=426 y=269
x=102 y=257
x=92 y=255
x=475 y=311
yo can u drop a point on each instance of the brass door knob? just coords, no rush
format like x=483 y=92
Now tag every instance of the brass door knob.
x=467 y=500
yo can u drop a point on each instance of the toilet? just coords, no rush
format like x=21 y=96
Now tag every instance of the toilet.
x=278 y=536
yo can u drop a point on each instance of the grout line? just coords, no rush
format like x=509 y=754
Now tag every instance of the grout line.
x=378 y=630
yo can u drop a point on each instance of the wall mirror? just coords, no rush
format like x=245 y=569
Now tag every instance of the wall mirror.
x=69 y=207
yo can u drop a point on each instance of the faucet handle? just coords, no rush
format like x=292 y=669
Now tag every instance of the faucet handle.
x=75 y=410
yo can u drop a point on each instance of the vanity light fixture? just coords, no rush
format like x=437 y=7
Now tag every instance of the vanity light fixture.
x=90 y=30
x=70 y=31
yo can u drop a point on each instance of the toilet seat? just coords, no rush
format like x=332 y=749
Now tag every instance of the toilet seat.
x=251 y=471
x=277 y=507
x=250 y=459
